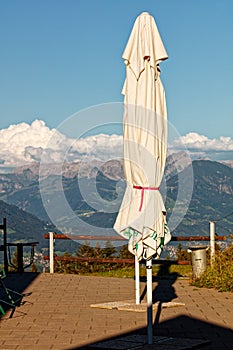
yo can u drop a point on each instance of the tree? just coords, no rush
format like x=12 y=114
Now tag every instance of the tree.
x=109 y=250
x=14 y=261
x=125 y=253
x=85 y=250
x=182 y=254
x=33 y=268
x=98 y=251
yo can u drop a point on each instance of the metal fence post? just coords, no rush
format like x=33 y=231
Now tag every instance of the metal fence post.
x=51 y=260
x=149 y=301
x=212 y=242
x=137 y=281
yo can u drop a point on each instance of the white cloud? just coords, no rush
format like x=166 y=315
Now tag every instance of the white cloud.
x=25 y=143
x=100 y=147
x=200 y=146
x=21 y=143
x=194 y=141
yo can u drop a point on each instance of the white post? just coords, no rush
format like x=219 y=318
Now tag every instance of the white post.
x=212 y=242
x=51 y=262
x=137 y=281
x=149 y=302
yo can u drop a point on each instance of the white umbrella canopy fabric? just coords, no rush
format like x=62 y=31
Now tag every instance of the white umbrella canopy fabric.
x=142 y=215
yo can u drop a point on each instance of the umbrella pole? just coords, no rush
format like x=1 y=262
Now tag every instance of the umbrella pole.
x=149 y=302
x=137 y=281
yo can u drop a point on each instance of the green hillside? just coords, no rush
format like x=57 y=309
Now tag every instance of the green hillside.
x=25 y=227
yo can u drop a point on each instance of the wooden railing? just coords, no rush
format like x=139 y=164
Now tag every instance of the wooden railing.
x=116 y=238
x=53 y=236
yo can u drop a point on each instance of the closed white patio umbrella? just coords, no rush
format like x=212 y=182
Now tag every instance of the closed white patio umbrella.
x=142 y=215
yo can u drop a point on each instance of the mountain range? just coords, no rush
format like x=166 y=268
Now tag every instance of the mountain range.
x=195 y=192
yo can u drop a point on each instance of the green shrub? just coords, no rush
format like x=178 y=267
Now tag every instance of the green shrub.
x=219 y=276
x=182 y=254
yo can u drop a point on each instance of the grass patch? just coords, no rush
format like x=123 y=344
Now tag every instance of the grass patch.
x=129 y=271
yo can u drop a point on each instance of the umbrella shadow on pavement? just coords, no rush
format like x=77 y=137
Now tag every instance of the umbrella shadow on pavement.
x=164 y=291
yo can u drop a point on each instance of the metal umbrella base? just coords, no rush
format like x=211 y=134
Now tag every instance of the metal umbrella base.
x=158 y=343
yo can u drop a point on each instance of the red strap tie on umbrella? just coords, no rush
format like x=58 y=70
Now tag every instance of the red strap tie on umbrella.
x=142 y=193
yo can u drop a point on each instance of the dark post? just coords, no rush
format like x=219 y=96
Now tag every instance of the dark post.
x=20 y=257
x=5 y=246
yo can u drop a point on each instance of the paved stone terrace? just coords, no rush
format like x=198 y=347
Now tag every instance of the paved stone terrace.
x=57 y=314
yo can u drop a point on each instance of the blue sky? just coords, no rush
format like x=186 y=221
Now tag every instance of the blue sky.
x=61 y=56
